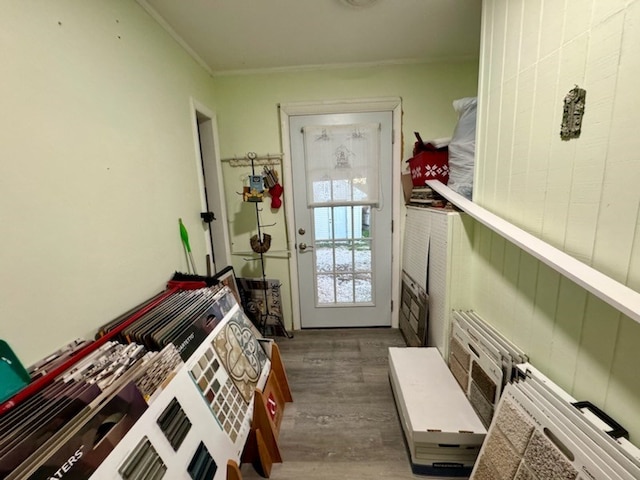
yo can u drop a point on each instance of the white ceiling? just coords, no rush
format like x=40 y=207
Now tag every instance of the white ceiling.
x=246 y=35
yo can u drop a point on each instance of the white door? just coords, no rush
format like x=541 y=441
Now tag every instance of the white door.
x=343 y=250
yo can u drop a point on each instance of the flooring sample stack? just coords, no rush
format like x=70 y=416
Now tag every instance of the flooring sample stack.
x=538 y=434
x=442 y=430
x=83 y=414
x=482 y=361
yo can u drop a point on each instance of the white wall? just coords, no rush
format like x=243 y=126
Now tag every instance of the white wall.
x=98 y=163
x=580 y=195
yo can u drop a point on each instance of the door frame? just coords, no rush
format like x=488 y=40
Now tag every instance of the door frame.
x=222 y=253
x=386 y=104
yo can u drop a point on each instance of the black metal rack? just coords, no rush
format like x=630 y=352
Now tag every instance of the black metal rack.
x=267 y=315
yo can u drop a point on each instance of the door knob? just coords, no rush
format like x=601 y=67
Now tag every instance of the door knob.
x=303 y=246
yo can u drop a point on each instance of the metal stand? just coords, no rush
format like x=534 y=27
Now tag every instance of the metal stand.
x=264 y=317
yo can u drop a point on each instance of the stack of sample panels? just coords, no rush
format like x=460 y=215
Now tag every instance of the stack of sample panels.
x=183 y=319
x=443 y=432
x=125 y=412
x=53 y=360
x=413 y=312
x=482 y=361
x=202 y=418
x=83 y=413
x=537 y=433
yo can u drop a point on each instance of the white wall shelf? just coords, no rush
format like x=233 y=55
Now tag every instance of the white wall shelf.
x=602 y=286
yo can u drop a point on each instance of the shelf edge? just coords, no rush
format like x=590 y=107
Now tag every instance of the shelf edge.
x=616 y=294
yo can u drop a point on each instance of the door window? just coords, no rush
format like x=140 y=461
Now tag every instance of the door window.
x=343 y=248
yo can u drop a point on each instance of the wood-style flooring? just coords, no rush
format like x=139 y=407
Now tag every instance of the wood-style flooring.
x=343 y=422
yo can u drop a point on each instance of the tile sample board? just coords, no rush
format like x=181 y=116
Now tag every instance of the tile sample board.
x=241 y=354
x=413 y=312
x=201 y=419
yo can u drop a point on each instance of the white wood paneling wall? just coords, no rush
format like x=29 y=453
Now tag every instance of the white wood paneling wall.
x=581 y=196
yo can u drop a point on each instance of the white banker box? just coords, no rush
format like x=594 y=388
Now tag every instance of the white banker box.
x=443 y=432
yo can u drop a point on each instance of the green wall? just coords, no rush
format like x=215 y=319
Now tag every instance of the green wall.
x=248 y=120
x=98 y=163
x=581 y=195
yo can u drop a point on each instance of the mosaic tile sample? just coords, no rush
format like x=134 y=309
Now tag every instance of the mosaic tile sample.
x=143 y=463
x=174 y=423
x=241 y=354
x=202 y=465
x=163 y=364
x=220 y=393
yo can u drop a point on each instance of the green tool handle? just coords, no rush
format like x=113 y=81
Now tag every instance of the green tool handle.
x=184 y=235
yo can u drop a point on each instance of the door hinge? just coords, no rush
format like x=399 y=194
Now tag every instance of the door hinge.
x=391 y=226
x=392 y=305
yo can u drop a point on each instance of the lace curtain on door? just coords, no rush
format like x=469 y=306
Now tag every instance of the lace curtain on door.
x=342 y=164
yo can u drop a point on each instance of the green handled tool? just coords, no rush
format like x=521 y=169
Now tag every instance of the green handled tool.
x=184 y=235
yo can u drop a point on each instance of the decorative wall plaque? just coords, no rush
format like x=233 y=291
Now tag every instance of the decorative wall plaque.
x=574 y=103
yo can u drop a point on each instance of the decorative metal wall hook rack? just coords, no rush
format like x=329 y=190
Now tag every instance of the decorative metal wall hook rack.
x=246 y=161
x=252 y=158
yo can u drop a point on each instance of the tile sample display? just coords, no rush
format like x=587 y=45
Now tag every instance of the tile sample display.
x=200 y=420
x=241 y=353
x=220 y=393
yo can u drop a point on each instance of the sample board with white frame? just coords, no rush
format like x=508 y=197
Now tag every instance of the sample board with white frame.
x=212 y=417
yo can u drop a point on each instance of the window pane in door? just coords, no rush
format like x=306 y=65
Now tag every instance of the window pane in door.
x=363 y=222
x=322 y=191
x=363 y=284
x=323 y=223
x=341 y=191
x=343 y=255
x=324 y=257
x=362 y=256
x=325 y=290
x=344 y=288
